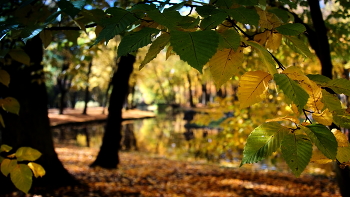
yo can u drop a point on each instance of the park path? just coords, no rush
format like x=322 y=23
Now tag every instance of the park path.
x=70 y=116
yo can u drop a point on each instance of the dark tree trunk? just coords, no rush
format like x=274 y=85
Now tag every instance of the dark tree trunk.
x=190 y=90
x=87 y=93
x=32 y=127
x=108 y=155
x=63 y=88
x=319 y=42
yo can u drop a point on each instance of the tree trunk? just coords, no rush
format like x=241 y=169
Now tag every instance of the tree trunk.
x=190 y=90
x=32 y=127
x=87 y=94
x=320 y=44
x=108 y=154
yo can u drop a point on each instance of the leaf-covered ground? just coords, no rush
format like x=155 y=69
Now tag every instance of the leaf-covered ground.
x=142 y=175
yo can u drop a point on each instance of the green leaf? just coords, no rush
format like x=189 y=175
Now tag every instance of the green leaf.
x=10 y=104
x=5 y=148
x=7 y=165
x=297 y=152
x=114 y=25
x=340 y=86
x=263 y=141
x=230 y=39
x=292 y=90
x=136 y=40
x=213 y=21
x=247 y=2
x=331 y=101
x=291 y=29
x=343 y=154
x=298 y=46
x=46 y=37
x=196 y=48
x=207 y=10
x=21 y=177
x=4 y=77
x=155 y=48
x=323 y=138
x=27 y=154
x=223 y=3
x=30 y=32
x=341 y=118
x=281 y=14
x=244 y=15
x=168 y=19
x=37 y=169
x=319 y=79
x=265 y=56
x=20 y=56
x=69 y=8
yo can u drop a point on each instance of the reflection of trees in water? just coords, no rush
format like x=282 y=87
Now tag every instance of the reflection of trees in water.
x=128 y=140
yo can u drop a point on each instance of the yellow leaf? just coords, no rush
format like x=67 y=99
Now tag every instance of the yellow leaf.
x=325 y=117
x=262 y=37
x=251 y=86
x=225 y=64
x=286 y=118
x=315 y=92
x=37 y=169
x=341 y=138
x=343 y=154
x=169 y=52
x=274 y=41
x=20 y=56
x=268 y=20
x=4 y=77
x=319 y=157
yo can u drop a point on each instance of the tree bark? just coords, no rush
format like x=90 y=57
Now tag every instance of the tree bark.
x=320 y=44
x=108 y=154
x=32 y=127
x=87 y=93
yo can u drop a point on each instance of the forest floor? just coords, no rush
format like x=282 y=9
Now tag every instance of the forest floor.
x=142 y=175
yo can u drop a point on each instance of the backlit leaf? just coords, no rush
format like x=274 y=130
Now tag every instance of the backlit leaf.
x=282 y=14
x=114 y=25
x=5 y=148
x=323 y=138
x=155 y=48
x=297 y=152
x=196 y=48
x=343 y=154
x=291 y=29
x=331 y=101
x=136 y=40
x=341 y=118
x=7 y=165
x=21 y=177
x=292 y=90
x=340 y=86
x=325 y=117
x=10 y=104
x=319 y=79
x=251 y=86
x=265 y=56
x=225 y=64
x=319 y=157
x=298 y=46
x=341 y=138
x=207 y=10
x=274 y=41
x=244 y=15
x=4 y=77
x=27 y=154
x=168 y=18
x=263 y=141
x=20 y=56
x=213 y=20
x=37 y=169
x=231 y=39
x=286 y=118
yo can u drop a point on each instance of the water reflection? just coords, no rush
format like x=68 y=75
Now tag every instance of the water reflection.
x=166 y=136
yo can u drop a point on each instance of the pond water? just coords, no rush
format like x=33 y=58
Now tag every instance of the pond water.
x=166 y=136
